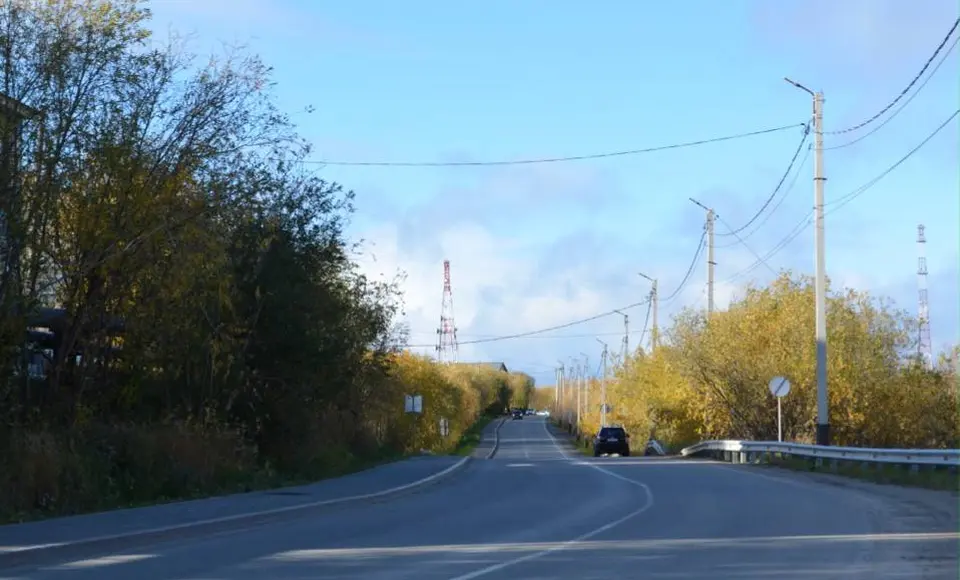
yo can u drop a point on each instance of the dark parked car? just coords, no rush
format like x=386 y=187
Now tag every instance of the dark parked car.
x=611 y=440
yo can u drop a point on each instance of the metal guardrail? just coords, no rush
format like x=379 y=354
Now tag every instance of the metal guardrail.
x=748 y=452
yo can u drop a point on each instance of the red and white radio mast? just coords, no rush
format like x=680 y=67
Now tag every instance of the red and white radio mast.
x=447 y=333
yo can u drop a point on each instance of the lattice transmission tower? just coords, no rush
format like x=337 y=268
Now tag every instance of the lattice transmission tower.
x=447 y=333
x=924 y=345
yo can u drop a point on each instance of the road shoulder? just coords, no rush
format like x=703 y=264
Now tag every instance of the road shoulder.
x=18 y=542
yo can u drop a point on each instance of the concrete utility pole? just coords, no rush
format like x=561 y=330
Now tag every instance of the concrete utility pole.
x=557 y=389
x=711 y=263
x=820 y=285
x=574 y=393
x=583 y=386
x=626 y=335
x=603 y=386
x=654 y=307
x=559 y=394
x=571 y=392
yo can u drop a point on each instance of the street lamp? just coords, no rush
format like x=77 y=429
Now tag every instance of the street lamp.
x=820 y=283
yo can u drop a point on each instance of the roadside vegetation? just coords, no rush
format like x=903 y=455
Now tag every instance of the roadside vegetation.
x=926 y=476
x=216 y=335
x=709 y=381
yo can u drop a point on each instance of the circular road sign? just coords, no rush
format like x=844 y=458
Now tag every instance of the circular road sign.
x=779 y=386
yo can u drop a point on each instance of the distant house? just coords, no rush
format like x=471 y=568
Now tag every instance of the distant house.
x=498 y=366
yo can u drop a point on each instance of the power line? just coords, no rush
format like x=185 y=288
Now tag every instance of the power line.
x=550 y=159
x=903 y=106
x=905 y=90
x=796 y=231
x=549 y=336
x=843 y=200
x=752 y=251
x=543 y=330
x=646 y=322
x=783 y=243
x=840 y=202
x=793 y=160
x=773 y=210
x=616 y=311
x=686 y=277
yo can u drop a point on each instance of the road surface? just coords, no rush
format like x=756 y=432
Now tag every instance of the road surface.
x=537 y=510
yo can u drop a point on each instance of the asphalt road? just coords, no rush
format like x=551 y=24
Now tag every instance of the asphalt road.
x=538 y=510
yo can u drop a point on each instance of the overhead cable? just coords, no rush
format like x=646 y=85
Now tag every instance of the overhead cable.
x=646 y=322
x=841 y=201
x=615 y=311
x=543 y=160
x=783 y=197
x=752 y=251
x=845 y=199
x=542 y=330
x=903 y=105
x=784 y=242
x=686 y=277
x=783 y=179
x=904 y=92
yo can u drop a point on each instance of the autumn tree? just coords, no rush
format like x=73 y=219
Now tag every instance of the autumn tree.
x=709 y=379
x=208 y=323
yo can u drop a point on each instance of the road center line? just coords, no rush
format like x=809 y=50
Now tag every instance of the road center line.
x=563 y=546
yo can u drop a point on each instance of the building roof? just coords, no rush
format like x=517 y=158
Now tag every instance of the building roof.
x=494 y=365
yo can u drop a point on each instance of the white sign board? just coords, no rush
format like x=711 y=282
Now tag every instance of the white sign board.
x=779 y=387
x=444 y=427
x=413 y=404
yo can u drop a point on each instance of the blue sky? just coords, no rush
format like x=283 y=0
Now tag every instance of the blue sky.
x=538 y=245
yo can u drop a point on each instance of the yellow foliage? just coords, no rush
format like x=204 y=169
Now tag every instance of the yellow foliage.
x=458 y=394
x=709 y=380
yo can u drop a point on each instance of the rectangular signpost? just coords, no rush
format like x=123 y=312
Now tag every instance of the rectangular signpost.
x=413 y=404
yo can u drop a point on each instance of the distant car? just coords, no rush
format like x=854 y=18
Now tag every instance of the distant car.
x=611 y=440
x=517 y=415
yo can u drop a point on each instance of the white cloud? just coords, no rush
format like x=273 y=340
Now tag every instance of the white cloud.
x=484 y=267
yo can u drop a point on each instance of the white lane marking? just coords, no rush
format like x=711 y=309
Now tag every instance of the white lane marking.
x=790 y=542
x=519 y=465
x=570 y=543
x=560 y=450
x=104 y=561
